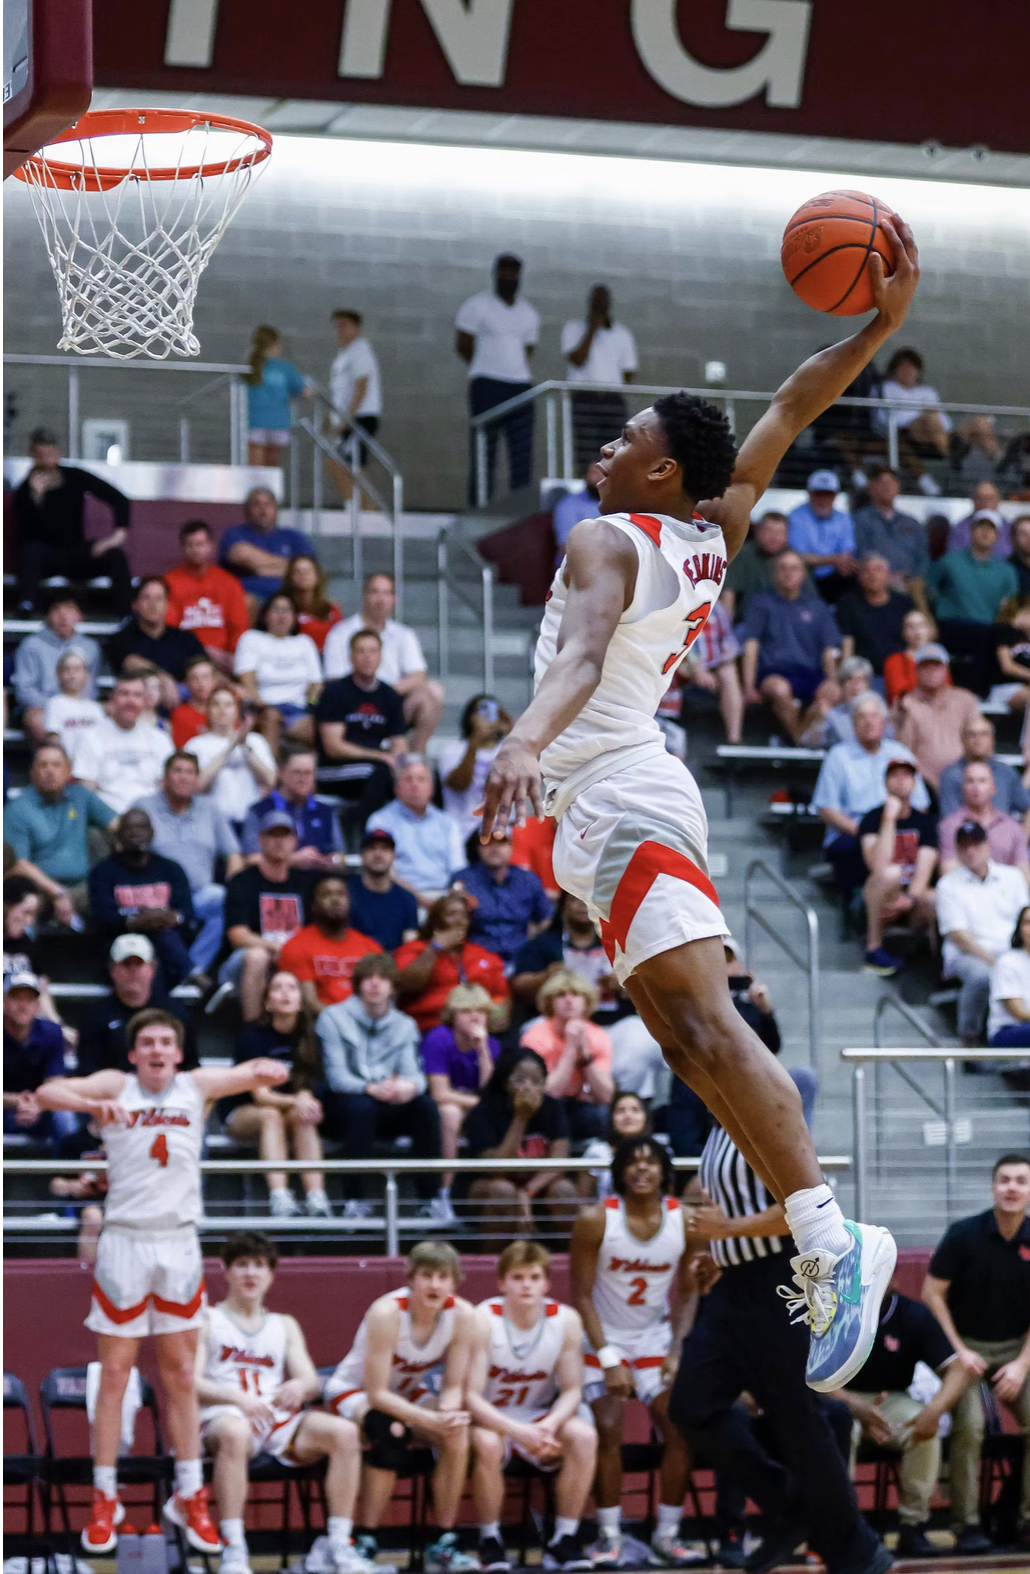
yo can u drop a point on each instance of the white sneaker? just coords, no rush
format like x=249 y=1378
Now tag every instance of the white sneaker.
x=840 y=1298
x=606 y=1552
x=357 y=1212
x=282 y=1204
x=317 y=1205
x=346 y=1559
x=234 y=1560
x=439 y=1211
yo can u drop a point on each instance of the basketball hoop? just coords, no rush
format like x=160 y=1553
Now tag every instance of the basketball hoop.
x=132 y=204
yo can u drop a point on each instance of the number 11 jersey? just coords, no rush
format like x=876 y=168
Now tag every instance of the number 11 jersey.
x=153 y=1161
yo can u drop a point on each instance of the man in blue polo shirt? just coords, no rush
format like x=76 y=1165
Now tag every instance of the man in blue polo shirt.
x=319 y=839
x=428 y=842
x=48 y=827
x=790 y=648
x=511 y=907
x=258 y=551
x=824 y=536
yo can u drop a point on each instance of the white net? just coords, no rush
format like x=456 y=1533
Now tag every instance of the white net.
x=130 y=222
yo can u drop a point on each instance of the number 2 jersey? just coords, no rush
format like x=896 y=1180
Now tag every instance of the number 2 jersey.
x=153 y=1161
x=521 y=1362
x=681 y=568
x=634 y=1278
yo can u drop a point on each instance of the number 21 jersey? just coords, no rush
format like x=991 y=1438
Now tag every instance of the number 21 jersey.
x=153 y=1161
x=681 y=568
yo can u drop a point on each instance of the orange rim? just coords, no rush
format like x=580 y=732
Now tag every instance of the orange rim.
x=136 y=122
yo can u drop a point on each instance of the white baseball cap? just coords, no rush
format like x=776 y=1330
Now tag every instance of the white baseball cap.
x=131 y=945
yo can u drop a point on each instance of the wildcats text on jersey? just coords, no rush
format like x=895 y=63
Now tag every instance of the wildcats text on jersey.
x=155 y=1117
x=244 y=1357
x=637 y=1265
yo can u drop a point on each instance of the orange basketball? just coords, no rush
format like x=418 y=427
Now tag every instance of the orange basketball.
x=826 y=250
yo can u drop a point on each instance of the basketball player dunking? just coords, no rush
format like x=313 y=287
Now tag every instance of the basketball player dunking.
x=149 y=1273
x=403 y=1378
x=626 y=1255
x=629 y=599
x=525 y=1392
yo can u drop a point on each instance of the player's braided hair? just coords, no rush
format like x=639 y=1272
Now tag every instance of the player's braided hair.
x=699 y=440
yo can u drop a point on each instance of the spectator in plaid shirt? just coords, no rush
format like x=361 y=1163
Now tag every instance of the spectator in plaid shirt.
x=712 y=666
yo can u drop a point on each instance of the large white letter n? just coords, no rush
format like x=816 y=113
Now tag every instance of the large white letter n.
x=474 y=38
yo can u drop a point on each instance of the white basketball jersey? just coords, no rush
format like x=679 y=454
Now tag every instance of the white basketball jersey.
x=521 y=1362
x=634 y=1277
x=680 y=573
x=255 y=1363
x=414 y=1365
x=153 y=1161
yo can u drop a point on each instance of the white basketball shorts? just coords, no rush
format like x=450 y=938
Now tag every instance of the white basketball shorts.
x=147 y=1284
x=642 y=1352
x=276 y=1438
x=633 y=846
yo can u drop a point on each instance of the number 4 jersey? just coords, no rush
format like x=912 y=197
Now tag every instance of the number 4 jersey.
x=153 y=1161
x=681 y=567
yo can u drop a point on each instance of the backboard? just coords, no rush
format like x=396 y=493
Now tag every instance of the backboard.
x=48 y=72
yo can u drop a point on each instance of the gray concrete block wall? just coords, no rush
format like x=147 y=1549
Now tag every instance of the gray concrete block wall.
x=404 y=234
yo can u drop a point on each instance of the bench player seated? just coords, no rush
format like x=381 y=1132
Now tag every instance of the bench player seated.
x=525 y=1393
x=625 y=1256
x=403 y=1381
x=254 y=1377
x=149 y=1272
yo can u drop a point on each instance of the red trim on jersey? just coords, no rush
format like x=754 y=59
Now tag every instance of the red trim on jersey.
x=552 y=1309
x=118 y=1314
x=337 y=1400
x=181 y=1308
x=402 y=1302
x=649 y=861
x=611 y=1202
x=448 y=1303
x=497 y=1309
x=651 y=526
x=671 y=1204
x=638 y=1365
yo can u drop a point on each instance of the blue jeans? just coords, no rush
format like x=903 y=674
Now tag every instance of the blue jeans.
x=1016 y=1036
x=209 y=907
x=51 y=1127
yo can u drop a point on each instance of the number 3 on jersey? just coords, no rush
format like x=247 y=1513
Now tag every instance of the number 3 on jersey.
x=695 y=623
x=159 y=1149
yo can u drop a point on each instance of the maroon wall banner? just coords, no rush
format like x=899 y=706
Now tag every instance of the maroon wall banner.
x=928 y=70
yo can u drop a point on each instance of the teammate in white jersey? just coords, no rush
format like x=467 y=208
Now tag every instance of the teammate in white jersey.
x=625 y=1257
x=525 y=1392
x=254 y=1376
x=149 y=1273
x=629 y=599
x=403 y=1379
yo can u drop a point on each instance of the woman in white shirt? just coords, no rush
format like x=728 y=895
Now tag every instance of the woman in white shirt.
x=279 y=668
x=924 y=430
x=463 y=766
x=236 y=765
x=70 y=714
x=1008 y=1020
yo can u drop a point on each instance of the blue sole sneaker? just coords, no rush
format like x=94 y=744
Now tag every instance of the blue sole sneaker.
x=840 y=1298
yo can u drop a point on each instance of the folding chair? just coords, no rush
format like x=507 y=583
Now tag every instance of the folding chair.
x=1001 y=1461
x=26 y=1471
x=526 y=1473
x=64 y=1389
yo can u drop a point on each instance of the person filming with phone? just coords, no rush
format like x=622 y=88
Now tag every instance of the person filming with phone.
x=464 y=764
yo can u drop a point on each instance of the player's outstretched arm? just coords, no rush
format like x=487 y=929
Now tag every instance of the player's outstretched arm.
x=814 y=387
x=264 y=1072
x=96 y=1095
x=601 y=568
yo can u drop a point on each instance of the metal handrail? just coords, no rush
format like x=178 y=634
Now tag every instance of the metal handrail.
x=389 y=1169
x=944 y=1057
x=810 y=965
x=558 y=393
x=444 y=541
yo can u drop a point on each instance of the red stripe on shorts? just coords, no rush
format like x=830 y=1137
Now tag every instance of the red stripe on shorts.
x=649 y=861
x=117 y=1314
x=181 y=1308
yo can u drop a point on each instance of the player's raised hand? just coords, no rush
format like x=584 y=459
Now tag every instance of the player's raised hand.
x=512 y=789
x=268 y=1073
x=892 y=295
x=108 y=1112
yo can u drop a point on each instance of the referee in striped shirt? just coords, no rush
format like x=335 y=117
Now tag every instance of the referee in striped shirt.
x=743 y=1341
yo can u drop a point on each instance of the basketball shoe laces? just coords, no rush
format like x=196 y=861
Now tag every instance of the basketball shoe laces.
x=816 y=1304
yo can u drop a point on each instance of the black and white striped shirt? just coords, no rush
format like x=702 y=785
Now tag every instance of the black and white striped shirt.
x=729 y=1180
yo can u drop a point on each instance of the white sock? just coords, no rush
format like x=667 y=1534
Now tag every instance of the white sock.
x=491 y=1532
x=563 y=1527
x=815 y=1221
x=189 y=1477
x=669 y=1515
x=231 y=1531
x=105 y=1479
x=609 y=1518
x=339 y=1529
